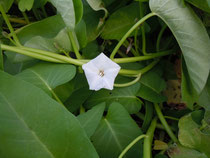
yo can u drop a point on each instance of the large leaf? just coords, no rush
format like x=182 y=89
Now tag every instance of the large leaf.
x=202 y=4
x=121 y=21
x=47 y=76
x=90 y=119
x=34 y=125
x=191 y=136
x=189 y=95
x=70 y=10
x=191 y=36
x=125 y=96
x=183 y=152
x=116 y=130
x=25 y=5
x=47 y=28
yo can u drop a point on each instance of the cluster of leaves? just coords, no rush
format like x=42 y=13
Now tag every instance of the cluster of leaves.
x=47 y=109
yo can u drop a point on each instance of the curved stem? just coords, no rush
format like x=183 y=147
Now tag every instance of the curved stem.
x=129 y=32
x=129 y=83
x=9 y=25
x=147 y=148
x=142 y=71
x=159 y=37
x=74 y=45
x=131 y=144
x=141 y=58
x=164 y=123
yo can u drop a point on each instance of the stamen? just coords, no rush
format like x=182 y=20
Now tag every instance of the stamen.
x=101 y=73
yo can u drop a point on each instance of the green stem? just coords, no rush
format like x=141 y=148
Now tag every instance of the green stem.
x=36 y=14
x=129 y=32
x=16 y=20
x=28 y=53
x=171 y=118
x=164 y=123
x=141 y=58
x=129 y=83
x=9 y=25
x=131 y=144
x=159 y=37
x=142 y=71
x=26 y=17
x=54 y=55
x=142 y=29
x=147 y=148
x=44 y=11
x=42 y=55
x=76 y=51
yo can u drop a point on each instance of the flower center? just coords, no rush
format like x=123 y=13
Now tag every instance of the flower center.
x=101 y=73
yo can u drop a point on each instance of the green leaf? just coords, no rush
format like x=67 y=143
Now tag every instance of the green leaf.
x=77 y=98
x=121 y=21
x=70 y=10
x=153 y=81
x=202 y=4
x=25 y=5
x=42 y=43
x=1 y=59
x=34 y=124
x=191 y=136
x=183 y=152
x=90 y=119
x=47 y=28
x=191 y=36
x=150 y=95
x=94 y=22
x=98 y=5
x=81 y=34
x=125 y=96
x=189 y=95
x=6 y=4
x=116 y=130
x=204 y=100
x=39 y=3
x=91 y=50
x=47 y=76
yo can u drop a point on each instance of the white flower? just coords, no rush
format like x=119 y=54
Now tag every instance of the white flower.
x=101 y=72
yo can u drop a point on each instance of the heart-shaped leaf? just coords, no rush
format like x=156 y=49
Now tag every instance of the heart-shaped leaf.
x=25 y=5
x=191 y=36
x=47 y=76
x=90 y=119
x=34 y=125
x=116 y=130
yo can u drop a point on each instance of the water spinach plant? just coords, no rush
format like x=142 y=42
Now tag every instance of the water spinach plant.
x=104 y=78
